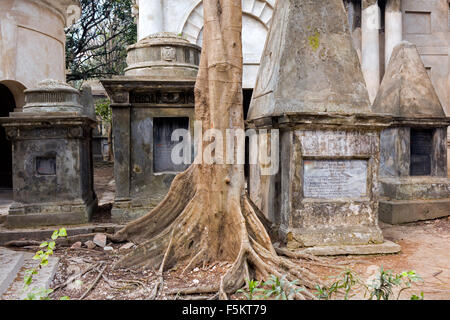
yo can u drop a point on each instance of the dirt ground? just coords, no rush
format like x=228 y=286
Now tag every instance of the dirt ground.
x=425 y=249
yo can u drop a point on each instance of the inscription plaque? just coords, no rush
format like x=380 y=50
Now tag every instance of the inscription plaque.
x=333 y=179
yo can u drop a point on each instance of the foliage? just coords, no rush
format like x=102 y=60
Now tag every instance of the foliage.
x=96 y=44
x=103 y=110
x=380 y=287
x=346 y=281
x=47 y=249
x=274 y=288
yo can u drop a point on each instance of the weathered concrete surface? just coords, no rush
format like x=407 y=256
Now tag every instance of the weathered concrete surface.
x=414 y=183
x=52 y=158
x=41 y=280
x=320 y=69
x=406 y=89
x=10 y=264
x=42 y=234
x=163 y=55
x=65 y=196
x=311 y=87
x=32 y=41
x=398 y=211
x=387 y=247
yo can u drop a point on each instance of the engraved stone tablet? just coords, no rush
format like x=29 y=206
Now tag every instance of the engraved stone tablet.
x=334 y=179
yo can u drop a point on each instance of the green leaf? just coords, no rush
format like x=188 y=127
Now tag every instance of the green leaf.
x=55 y=235
x=52 y=245
x=64 y=298
x=44 y=262
x=43 y=244
x=62 y=232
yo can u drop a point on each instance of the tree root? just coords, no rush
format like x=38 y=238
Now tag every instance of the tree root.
x=94 y=283
x=192 y=291
x=73 y=278
x=183 y=241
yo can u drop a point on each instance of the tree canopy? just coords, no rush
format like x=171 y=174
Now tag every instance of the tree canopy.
x=96 y=44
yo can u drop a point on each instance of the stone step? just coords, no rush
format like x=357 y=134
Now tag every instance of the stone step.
x=41 y=280
x=10 y=264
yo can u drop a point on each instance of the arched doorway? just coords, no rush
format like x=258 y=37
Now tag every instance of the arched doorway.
x=7 y=105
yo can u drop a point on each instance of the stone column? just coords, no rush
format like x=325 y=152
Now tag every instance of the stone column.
x=371 y=46
x=393 y=27
x=151 y=18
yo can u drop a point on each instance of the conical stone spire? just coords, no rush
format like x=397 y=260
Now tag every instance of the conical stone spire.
x=309 y=64
x=406 y=90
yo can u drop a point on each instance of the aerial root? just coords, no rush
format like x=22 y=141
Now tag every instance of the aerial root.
x=160 y=282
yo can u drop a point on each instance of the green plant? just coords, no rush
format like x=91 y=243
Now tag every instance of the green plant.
x=280 y=289
x=275 y=288
x=103 y=110
x=382 y=286
x=47 y=249
x=253 y=287
x=346 y=281
x=414 y=297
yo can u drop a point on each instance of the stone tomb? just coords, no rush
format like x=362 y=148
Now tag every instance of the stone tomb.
x=413 y=173
x=154 y=98
x=52 y=159
x=311 y=88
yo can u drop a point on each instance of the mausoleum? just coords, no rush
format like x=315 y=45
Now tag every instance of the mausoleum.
x=52 y=158
x=413 y=172
x=153 y=99
x=311 y=88
x=32 y=48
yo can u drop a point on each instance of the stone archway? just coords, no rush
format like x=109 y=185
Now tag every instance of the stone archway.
x=8 y=105
x=257 y=15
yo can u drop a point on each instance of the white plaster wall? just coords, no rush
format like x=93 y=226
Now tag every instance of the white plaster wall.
x=32 y=43
x=186 y=17
x=426 y=24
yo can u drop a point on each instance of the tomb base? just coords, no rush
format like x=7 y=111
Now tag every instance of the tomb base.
x=413 y=199
x=50 y=214
x=332 y=236
x=387 y=247
x=126 y=210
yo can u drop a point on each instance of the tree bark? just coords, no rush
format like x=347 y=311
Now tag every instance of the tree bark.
x=206 y=216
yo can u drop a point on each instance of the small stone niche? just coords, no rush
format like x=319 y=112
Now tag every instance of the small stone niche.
x=413 y=154
x=46 y=166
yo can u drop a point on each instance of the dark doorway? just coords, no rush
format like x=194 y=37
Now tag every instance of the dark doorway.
x=7 y=105
x=163 y=144
x=421 y=150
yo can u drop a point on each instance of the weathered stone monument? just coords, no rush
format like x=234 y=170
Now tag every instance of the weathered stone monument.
x=52 y=158
x=153 y=98
x=413 y=173
x=310 y=86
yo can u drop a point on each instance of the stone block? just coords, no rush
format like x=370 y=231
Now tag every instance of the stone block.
x=397 y=212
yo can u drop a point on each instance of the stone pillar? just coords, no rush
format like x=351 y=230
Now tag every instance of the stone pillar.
x=393 y=27
x=371 y=46
x=151 y=18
